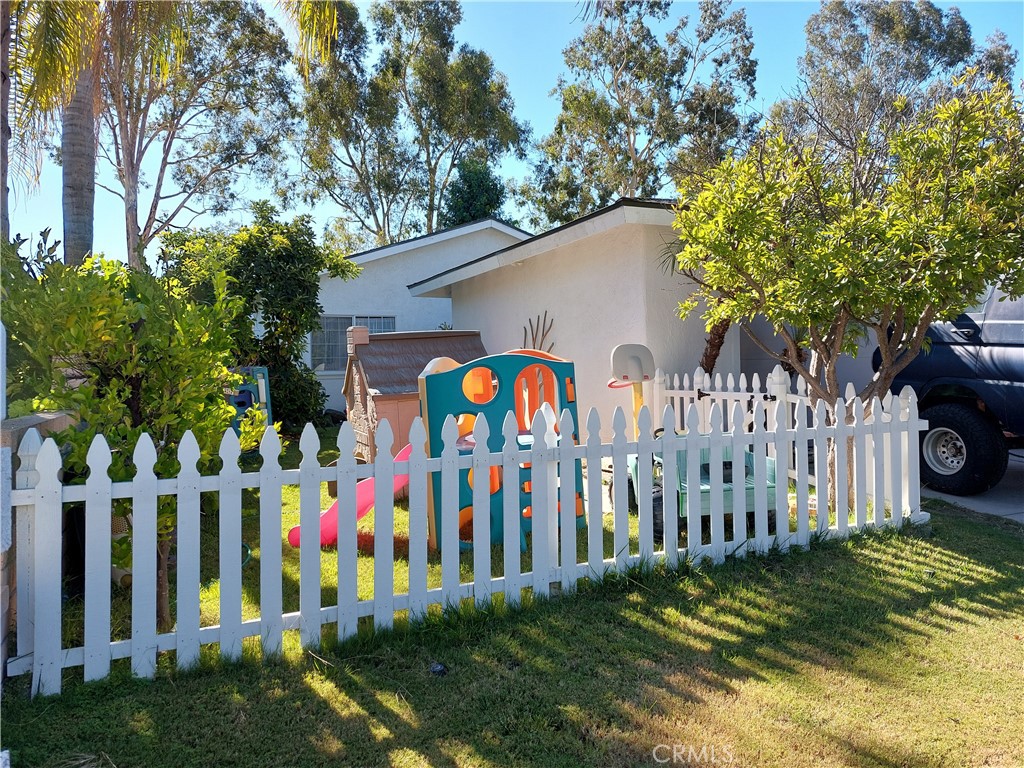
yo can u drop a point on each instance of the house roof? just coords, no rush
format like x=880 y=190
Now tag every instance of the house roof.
x=364 y=257
x=626 y=210
x=392 y=362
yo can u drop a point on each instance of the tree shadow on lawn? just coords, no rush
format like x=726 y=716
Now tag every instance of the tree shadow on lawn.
x=596 y=678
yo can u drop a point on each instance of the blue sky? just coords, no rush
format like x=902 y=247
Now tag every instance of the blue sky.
x=526 y=40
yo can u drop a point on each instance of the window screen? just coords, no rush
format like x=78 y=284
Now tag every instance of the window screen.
x=328 y=346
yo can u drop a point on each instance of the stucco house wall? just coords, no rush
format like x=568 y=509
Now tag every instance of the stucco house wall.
x=602 y=281
x=589 y=289
x=382 y=287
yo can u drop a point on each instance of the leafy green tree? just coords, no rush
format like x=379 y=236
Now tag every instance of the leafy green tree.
x=128 y=354
x=781 y=232
x=223 y=112
x=453 y=102
x=861 y=58
x=274 y=269
x=638 y=111
x=868 y=67
x=353 y=150
x=475 y=193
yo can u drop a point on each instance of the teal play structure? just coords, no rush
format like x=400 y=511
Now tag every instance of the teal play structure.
x=254 y=390
x=520 y=382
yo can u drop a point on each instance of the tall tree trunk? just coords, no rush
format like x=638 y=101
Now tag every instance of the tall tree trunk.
x=713 y=345
x=131 y=219
x=5 y=108
x=78 y=155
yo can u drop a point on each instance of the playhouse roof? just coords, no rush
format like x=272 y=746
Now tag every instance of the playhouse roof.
x=392 y=362
x=626 y=210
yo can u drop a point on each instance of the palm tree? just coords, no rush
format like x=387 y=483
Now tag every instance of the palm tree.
x=43 y=47
x=48 y=68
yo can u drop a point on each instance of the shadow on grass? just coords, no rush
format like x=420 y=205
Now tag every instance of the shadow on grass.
x=595 y=678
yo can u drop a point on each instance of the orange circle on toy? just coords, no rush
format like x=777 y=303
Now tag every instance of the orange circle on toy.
x=495 y=476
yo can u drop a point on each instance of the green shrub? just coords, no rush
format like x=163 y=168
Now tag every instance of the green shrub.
x=127 y=353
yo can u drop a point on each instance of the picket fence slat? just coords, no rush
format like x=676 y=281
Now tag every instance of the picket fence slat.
x=645 y=487
x=567 y=500
x=543 y=482
x=670 y=481
x=595 y=498
x=271 y=597
x=144 y=532
x=348 y=557
x=46 y=549
x=188 y=615
x=449 y=533
x=309 y=538
x=717 y=421
x=97 y=561
x=693 y=495
x=27 y=477
x=418 y=525
x=482 y=522
x=717 y=483
x=739 y=478
x=620 y=503
x=230 y=554
x=384 y=530
x=511 y=479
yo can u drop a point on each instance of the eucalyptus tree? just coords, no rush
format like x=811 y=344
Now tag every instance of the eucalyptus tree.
x=353 y=150
x=639 y=110
x=453 y=101
x=219 y=116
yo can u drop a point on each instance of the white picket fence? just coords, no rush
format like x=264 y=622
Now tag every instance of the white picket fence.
x=558 y=555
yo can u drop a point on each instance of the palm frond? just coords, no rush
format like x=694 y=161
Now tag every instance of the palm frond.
x=317 y=24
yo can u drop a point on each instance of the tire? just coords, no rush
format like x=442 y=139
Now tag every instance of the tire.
x=658 y=505
x=963 y=452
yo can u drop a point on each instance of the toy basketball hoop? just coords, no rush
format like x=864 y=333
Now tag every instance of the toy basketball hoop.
x=632 y=365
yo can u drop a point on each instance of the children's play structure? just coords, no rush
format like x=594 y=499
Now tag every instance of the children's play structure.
x=521 y=382
x=382 y=378
x=254 y=390
x=364 y=503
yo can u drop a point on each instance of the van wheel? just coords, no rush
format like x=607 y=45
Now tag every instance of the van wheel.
x=962 y=452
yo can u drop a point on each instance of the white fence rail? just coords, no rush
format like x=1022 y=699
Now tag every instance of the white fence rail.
x=696 y=525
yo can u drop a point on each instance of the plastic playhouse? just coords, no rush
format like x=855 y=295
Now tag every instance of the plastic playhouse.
x=520 y=381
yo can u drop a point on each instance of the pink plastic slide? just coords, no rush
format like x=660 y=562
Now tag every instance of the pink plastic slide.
x=364 y=502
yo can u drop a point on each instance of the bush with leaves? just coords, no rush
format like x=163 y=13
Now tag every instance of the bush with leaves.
x=127 y=353
x=274 y=269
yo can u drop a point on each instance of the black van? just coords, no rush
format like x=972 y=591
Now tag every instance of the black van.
x=970 y=387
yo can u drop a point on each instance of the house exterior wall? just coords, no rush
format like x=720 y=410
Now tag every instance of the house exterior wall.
x=381 y=289
x=594 y=290
x=677 y=344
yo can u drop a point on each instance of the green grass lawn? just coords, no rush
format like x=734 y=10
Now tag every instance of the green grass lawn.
x=891 y=649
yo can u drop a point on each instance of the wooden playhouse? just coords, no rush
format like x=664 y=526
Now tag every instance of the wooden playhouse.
x=381 y=378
